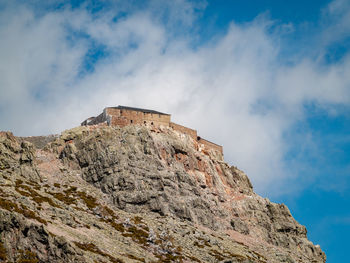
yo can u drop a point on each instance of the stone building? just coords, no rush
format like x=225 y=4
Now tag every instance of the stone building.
x=122 y=116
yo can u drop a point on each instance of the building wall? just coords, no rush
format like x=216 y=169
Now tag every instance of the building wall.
x=123 y=117
x=88 y=121
x=95 y=120
x=118 y=121
x=99 y=119
x=112 y=111
x=211 y=145
x=183 y=129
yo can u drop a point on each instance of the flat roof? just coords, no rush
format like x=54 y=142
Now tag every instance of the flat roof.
x=138 y=109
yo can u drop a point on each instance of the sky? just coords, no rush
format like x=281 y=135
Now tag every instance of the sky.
x=267 y=79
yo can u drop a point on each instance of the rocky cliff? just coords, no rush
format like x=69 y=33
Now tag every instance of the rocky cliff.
x=136 y=194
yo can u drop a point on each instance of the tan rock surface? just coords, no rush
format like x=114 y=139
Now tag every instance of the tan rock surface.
x=135 y=194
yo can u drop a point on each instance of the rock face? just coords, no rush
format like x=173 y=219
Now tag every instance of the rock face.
x=136 y=194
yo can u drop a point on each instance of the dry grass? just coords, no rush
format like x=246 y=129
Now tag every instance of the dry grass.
x=27 y=257
x=94 y=249
x=3 y=253
x=13 y=207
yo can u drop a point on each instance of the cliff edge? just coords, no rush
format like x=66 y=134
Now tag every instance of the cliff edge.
x=136 y=194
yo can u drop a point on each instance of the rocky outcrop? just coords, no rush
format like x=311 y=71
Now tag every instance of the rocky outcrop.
x=137 y=194
x=24 y=240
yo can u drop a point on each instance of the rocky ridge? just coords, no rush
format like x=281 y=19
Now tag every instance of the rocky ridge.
x=136 y=194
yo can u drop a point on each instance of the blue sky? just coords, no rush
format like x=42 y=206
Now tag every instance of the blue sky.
x=269 y=80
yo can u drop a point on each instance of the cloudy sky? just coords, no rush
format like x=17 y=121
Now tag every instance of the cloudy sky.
x=267 y=79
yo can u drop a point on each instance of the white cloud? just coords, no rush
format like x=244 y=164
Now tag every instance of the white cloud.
x=337 y=22
x=233 y=89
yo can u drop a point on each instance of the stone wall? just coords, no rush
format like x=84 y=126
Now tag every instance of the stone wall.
x=100 y=118
x=115 y=116
x=183 y=129
x=123 y=117
x=210 y=145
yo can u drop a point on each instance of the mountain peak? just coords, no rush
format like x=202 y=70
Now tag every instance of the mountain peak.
x=136 y=193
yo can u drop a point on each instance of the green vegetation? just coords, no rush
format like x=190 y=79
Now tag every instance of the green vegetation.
x=137 y=234
x=168 y=258
x=106 y=211
x=202 y=242
x=63 y=198
x=30 y=214
x=219 y=256
x=28 y=191
x=176 y=256
x=111 y=220
x=89 y=200
x=34 y=184
x=70 y=195
x=193 y=259
x=3 y=253
x=137 y=220
x=140 y=236
x=135 y=258
x=13 y=207
x=94 y=249
x=216 y=254
x=198 y=245
x=117 y=226
x=27 y=257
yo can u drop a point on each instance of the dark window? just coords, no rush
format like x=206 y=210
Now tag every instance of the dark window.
x=198 y=138
x=144 y=122
x=152 y=123
x=130 y=121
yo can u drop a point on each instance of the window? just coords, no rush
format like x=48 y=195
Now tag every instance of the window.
x=130 y=121
x=152 y=123
x=144 y=122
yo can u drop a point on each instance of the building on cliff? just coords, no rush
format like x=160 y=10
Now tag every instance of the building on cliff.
x=123 y=116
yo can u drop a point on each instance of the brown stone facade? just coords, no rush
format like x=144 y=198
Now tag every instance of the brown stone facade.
x=122 y=116
x=210 y=144
x=183 y=129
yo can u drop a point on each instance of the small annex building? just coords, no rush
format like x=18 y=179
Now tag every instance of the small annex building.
x=122 y=116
